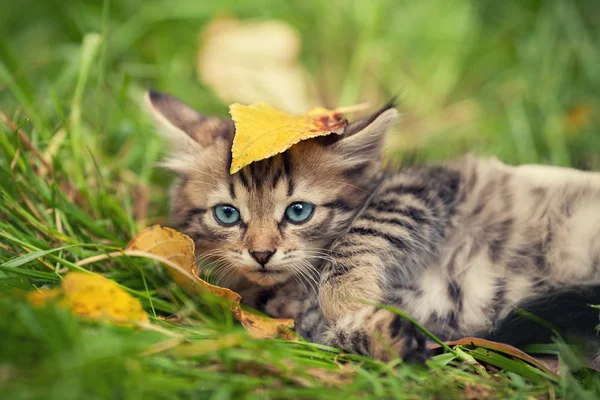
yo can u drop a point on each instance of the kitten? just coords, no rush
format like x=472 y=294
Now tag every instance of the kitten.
x=319 y=231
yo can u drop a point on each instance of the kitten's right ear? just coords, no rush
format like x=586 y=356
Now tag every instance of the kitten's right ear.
x=183 y=125
x=363 y=140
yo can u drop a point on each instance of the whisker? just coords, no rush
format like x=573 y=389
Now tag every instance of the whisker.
x=230 y=275
x=307 y=271
x=297 y=275
x=314 y=284
x=220 y=269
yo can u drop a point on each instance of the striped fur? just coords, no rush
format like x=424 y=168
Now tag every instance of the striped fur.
x=457 y=246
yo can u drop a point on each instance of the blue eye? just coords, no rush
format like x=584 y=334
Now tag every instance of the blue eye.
x=299 y=212
x=226 y=215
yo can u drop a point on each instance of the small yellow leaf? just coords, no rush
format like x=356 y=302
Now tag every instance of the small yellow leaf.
x=262 y=131
x=93 y=296
x=177 y=251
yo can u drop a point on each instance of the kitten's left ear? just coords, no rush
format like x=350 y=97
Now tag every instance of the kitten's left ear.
x=364 y=140
x=183 y=125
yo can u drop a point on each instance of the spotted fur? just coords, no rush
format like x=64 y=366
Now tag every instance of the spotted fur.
x=457 y=246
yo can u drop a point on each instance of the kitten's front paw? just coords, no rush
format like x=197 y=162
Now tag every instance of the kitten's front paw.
x=343 y=295
x=380 y=334
x=399 y=337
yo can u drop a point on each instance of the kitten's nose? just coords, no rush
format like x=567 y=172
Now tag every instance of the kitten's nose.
x=262 y=256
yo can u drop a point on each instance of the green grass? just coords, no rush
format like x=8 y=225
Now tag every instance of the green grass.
x=514 y=79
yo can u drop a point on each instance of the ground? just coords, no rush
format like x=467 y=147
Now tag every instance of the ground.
x=514 y=79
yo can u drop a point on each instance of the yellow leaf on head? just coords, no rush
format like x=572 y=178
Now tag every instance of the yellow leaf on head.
x=262 y=131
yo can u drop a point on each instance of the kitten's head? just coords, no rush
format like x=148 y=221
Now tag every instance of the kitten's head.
x=274 y=218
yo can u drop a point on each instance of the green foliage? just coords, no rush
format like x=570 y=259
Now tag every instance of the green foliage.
x=515 y=79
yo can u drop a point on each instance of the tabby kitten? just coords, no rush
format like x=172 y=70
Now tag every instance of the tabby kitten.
x=322 y=230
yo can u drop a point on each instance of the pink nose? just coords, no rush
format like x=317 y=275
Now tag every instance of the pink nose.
x=262 y=256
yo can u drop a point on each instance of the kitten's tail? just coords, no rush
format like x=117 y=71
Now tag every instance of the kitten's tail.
x=565 y=312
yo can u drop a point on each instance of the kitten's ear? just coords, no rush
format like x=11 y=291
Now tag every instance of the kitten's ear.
x=183 y=125
x=364 y=140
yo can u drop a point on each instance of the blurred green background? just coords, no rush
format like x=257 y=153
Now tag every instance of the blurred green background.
x=518 y=79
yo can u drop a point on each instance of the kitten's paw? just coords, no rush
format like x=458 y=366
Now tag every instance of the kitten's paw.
x=399 y=338
x=342 y=295
x=380 y=334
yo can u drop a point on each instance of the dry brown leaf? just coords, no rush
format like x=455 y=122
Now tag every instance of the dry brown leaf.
x=93 y=296
x=501 y=348
x=264 y=327
x=253 y=61
x=177 y=251
x=261 y=131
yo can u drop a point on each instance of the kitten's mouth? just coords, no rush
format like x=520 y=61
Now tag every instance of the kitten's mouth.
x=267 y=271
x=267 y=277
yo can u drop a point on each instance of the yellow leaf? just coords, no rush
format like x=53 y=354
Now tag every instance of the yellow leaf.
x=41 y=296
x=177 y=251
x=177 y=248
x=262 y=131
x=93 y=296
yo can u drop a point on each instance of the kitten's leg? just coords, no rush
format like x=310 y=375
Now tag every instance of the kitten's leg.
x=355 y=278
x=284 y=301
x=389 y=242
x=377 y=333
x=366 y=264
x=357 y=275
x=310 y=322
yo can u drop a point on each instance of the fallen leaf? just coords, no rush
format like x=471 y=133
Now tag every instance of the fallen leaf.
x=93 y=296
x=41 y=296
x=262 y=131
x=177 y=251
x=253 y=61
x=259 y=326
x=499 y=347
